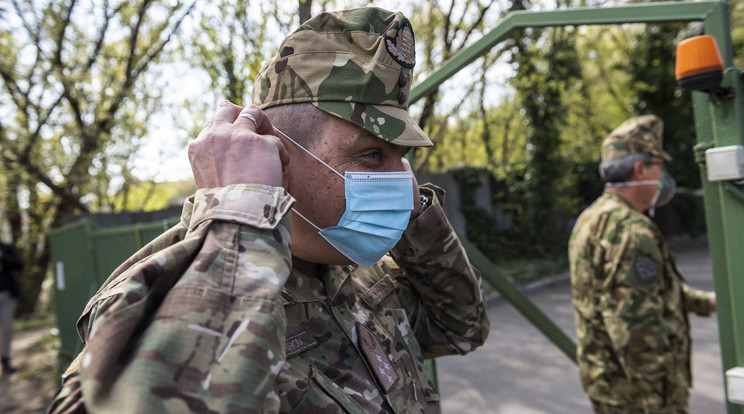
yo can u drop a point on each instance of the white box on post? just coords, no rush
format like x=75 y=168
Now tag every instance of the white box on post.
x=725 y=163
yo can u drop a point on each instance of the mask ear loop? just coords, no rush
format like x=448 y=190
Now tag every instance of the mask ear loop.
x=305 y=218
x=319 y=160
x=632 y=183
x=652 y=208
x=311 y=154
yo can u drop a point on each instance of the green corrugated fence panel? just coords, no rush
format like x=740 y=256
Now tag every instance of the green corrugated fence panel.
x=73 y=267
x=155 y=229
x=111 y=248
x=82 y=259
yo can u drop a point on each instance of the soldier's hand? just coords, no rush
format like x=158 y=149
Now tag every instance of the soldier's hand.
x=233 y=149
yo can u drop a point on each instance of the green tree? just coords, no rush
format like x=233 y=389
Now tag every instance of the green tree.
x=230 y=43
x=76 y=99
x=737 y=31
x=441 y=32
x=650 y=64
x=543 y=136
x=547 y=64
x=149 y=196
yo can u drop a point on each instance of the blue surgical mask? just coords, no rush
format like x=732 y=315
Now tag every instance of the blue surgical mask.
x=378 y=208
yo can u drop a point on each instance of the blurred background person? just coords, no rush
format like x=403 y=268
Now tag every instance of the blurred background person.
x=10 y=263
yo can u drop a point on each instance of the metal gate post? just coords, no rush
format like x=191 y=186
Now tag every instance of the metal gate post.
x=719 y=121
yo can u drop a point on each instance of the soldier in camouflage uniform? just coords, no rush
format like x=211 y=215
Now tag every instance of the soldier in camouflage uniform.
x=630 y=299
x=244 y=307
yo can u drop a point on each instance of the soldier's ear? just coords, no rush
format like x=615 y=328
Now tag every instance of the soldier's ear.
x=639 y=169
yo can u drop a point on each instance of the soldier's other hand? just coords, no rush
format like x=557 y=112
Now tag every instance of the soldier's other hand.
x=233 y=149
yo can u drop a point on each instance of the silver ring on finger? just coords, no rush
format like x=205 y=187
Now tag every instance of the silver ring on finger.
x=249 y=116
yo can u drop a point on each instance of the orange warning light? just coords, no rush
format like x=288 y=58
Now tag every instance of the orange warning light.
x=699 y=65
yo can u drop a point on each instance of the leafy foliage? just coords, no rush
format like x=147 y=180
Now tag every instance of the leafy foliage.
x=79 y=88
x=149 y=196
x=737 y=31
x=541 y=79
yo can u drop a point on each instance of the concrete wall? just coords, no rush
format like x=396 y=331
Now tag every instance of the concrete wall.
x=483 y=199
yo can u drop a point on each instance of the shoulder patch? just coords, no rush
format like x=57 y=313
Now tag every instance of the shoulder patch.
x=382 y=368
x=646 y=268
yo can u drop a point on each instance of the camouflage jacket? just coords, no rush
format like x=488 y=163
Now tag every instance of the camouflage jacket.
x=631 y=305
x=211 y=317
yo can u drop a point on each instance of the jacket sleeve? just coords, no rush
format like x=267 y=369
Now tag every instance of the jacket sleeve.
x=632 y=308
x=197 y=326
x=440 y=288
x=696 y=301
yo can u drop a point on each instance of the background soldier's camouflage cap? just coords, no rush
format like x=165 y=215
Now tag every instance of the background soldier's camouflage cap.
x=639 y=134
x=355 y=64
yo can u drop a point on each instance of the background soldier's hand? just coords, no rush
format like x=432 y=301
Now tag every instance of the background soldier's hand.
x=712 y=299
x=233 y=149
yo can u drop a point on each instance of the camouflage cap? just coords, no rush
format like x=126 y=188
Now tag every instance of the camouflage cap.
x=355 y=64
x=638 y=134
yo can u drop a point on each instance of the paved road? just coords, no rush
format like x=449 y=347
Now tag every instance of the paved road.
x=518 y=371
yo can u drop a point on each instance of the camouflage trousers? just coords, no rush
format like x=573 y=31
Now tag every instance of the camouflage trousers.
x=600 y=408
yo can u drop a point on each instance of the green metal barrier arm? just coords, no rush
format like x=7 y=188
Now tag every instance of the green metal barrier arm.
x=526 y=307
x=636 y=13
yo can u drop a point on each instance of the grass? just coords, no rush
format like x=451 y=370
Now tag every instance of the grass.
x=34 y=322
x=522 y=272
x=46 y=367
x=525 y=271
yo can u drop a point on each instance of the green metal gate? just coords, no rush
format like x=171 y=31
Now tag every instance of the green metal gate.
x=82 y=257
x=719 y=121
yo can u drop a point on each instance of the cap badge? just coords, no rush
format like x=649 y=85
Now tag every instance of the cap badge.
x=402 y=46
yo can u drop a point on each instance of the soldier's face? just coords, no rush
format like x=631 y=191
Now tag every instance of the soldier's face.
x=652 y=170
x=320 y=192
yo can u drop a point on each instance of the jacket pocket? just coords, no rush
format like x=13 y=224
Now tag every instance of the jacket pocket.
x=325 y=396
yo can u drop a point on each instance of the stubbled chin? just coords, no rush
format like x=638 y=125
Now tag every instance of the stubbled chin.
x=315 y=249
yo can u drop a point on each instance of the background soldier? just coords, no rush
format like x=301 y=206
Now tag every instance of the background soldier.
x=630 y=300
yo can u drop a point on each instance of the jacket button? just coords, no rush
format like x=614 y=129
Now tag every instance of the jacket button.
x=401 y=97
x=403 y=80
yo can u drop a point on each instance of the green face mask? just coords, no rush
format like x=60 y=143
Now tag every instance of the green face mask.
x=665 y=190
